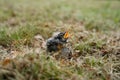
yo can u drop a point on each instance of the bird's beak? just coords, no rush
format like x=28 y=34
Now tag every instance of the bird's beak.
x=66 y=35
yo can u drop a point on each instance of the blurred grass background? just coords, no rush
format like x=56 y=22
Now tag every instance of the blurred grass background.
x=95 y=15
x=21 y=20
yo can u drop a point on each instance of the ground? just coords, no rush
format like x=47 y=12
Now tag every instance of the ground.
x=95 y=39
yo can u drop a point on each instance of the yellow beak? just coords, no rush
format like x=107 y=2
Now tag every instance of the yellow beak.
x=66 y=35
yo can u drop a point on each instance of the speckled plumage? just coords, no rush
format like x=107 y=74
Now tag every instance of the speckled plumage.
x=57 y=44
x=54 y=42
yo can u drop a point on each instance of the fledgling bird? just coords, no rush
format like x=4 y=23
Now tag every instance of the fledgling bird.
x=57 y=44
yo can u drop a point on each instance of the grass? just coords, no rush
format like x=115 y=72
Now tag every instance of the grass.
x=95 y=29
x=38 y=67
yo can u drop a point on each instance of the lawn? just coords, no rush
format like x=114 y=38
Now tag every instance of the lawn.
x=95 y=40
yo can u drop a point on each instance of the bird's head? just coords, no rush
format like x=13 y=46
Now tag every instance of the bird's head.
x=63 y=36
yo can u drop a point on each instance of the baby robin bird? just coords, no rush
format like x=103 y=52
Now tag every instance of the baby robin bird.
x=57 y=43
